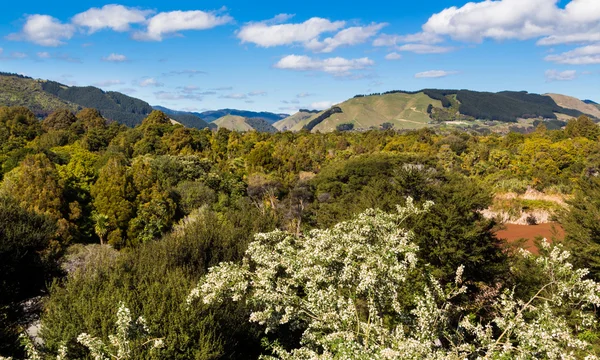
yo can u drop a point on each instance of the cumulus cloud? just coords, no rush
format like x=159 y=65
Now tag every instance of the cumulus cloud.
x=264 y=34
x=115 y=17
x=149 y=82
x=585 y=55
x=394 y=40
x=170 y=23
x=335 y=66
x=434 y=74
x=555 y=75
x=424 y=48
x=108 y=83
x=44 y=30
x=393 y=56
x=115 y=58
x=347 y=37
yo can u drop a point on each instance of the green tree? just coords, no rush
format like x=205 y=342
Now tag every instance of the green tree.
x=59 y=120
x=113 y=193
x=583 y=126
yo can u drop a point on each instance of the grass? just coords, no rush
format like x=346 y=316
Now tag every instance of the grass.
x=16 y=91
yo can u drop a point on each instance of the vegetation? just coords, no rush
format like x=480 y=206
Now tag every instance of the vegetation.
x=138 y=217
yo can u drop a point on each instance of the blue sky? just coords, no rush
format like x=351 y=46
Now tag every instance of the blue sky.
x=281 y=56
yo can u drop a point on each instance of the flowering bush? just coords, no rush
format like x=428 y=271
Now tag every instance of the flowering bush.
x=343 y=287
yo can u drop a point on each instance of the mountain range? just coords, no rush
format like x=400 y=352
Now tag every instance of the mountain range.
x=393 y=109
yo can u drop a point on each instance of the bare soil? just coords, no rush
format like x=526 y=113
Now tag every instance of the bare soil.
x=512 y=233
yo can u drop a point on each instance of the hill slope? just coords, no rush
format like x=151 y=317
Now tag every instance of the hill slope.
x=239 y=123
x=211 y=116
x=575 y=104
x=403 y=110
x=289 y=122
x=188 y=119
x=27 y=92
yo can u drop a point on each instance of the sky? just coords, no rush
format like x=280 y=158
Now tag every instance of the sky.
x=283 y=56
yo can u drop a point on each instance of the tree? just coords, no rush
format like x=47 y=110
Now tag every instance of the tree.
x=101 y=226
x=113 y=193
x=346 y=287
x=581 y=222
x=27 y=263
x=59 y=120
x=583 y=126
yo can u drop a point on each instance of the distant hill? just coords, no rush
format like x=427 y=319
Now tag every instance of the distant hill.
x=210 y=116
x=575 y=104
x=289 y=122
x=590 y=102
x=239 y=123
x=404 y=111
x=411 y=110
x=17 y=90
x=188 y=119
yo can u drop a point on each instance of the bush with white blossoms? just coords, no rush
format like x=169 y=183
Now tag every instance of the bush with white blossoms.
x=129 y=334
x=344 y=287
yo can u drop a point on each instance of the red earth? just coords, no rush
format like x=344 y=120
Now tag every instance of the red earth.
x=512 y=233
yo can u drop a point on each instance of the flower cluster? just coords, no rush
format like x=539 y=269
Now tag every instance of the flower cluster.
x=344 y=287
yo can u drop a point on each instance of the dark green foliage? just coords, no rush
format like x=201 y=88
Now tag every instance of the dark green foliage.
x=324 y=116
x=61 y=119
x=154 y=281
x=582 y=225
x=26 y=265
x=582 y=127
x=260 y=125
x=112 y=105
x=550 y=124
x=345 y=127
x=509 y=105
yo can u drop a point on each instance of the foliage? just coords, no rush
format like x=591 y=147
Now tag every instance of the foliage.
x=342 y=286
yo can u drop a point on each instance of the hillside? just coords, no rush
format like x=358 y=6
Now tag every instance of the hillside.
x=187 y=119
x=289 y=122
x=27 y=92
x=239 y=123
x=404 y=111
x=576 y=104
x=211 y=116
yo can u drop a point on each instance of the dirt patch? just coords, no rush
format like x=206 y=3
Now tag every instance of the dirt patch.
x=512 y=233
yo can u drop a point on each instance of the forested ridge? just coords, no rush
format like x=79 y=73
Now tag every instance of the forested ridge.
x=373 y=243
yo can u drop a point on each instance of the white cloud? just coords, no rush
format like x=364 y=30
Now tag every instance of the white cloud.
x=43 y=55
x=190 y=73
x=115 y=17
x=108 y=83
x=234 y=96
x=393 y=56
x=170 y=23
x=115 y=58
x=347 y=37
x=434 y=74
x=424 y=48
x=164 y=95
x=44 y=30
x=257 y=93
x=578 y=21
x=555 y=75
x=585 y=55
x=321 y=105
x=335 y=66
x=394 y=40
x=1 y=51
x=265 y=35
x=303 y=95
x=148 y=82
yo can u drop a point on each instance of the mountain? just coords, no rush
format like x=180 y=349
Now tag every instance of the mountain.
x=187 y=119
x=576 y=104
x=590 y=102
x=210 y=116
x=239 y=123
x=289 y=122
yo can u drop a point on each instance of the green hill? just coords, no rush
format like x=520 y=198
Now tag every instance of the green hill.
x=187 y=119
x=403 y=110
x=213 y=115
x=112 y=105
x=239 y=123
x=289 y=122
x=18 y=90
